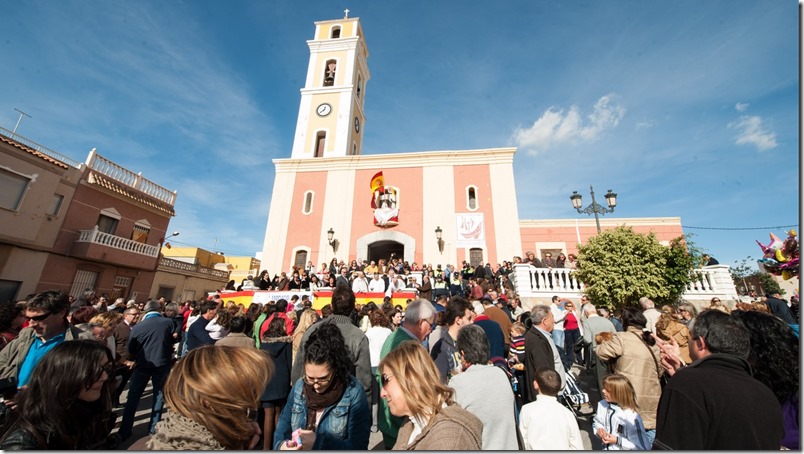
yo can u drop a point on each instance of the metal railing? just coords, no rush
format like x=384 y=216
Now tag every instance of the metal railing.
x=120 y=174
x=117 y=242
x=40 y=148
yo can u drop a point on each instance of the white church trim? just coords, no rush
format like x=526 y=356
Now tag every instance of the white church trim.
x=387 y=235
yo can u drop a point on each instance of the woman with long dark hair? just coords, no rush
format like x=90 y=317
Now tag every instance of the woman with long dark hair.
x=327 y=408
x=68 y=401
x=774 y=360
x=638 y=358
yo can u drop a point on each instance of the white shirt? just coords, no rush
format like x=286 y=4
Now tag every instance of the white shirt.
x=215 y=330
x=558 y=316
x=359 y=285
x=545 y=424
x=376 y=336
x=376 y=285
x=652 y=315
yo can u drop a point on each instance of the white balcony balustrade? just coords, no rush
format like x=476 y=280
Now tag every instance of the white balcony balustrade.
x=95 y=236
x=543 y=283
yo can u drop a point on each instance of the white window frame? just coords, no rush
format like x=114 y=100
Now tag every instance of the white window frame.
x=337 y=68
x=56 y=208
x=31 y=179
x=315 y=141
x=311 y=194
x=477 y=197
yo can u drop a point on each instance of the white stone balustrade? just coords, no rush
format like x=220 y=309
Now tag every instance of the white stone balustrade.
x=184 y=266
x=122 y=175
x=124 y=244
x=543 y=283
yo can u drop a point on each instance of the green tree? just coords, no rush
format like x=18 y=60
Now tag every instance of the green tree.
x=619 y=266
x=741 y=271
x=768 y=283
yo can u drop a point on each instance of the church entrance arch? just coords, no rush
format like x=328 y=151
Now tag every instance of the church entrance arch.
x=385 y=250
x=381 y=244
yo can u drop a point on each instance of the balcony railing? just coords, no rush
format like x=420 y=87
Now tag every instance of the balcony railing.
x=184 y=266
x=120 y=174
x=40 y=148
x=530 y=281
x=124 y=244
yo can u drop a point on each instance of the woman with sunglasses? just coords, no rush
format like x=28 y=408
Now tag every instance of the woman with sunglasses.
x=327 y=408
x=212 y=395
x=412 y=387
x=68 y=401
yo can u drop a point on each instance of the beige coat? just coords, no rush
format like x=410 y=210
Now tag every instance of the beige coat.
x=635 y=361
x=667 y=328
x=453 y=428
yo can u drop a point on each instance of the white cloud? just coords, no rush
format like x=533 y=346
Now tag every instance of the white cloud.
x=741 y=107
x=556 y=127
x=644 y=125
x=752 y=131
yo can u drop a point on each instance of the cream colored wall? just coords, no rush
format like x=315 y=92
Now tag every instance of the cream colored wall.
x=324 y=28
x=278 y=214
x=438 y=211
x=22 y=265
x=508 y=239
x=182 y=283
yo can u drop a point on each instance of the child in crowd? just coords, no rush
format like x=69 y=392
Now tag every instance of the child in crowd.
x=544 y=423
x=517 y=350
x=616 y=422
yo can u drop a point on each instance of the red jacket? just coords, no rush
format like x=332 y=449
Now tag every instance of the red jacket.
x=288 y=323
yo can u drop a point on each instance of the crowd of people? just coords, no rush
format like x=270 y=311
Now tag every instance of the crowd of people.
x=462 y=367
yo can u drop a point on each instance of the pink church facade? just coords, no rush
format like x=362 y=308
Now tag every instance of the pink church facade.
x=468 y=196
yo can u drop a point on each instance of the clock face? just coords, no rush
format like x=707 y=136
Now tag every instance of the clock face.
x=323 y=110
x=357 y=125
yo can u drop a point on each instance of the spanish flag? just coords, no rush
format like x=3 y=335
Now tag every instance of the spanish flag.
x=377 y=183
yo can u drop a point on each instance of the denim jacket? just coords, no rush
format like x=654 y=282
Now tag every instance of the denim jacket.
x=344 y=426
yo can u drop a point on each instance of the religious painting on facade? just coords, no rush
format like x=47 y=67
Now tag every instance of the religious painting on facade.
x=470 y=229
x=384 y=202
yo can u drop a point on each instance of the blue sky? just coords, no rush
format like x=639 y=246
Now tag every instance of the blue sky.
x=683 y=108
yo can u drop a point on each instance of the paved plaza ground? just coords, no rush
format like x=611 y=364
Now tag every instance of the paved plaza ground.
x=585 y=380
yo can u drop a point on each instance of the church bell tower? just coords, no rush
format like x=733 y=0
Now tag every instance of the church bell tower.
x=331 y=114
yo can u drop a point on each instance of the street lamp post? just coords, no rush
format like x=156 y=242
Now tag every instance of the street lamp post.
x=594 y=207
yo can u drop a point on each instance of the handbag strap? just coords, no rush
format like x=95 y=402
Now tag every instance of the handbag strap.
x=658 y=371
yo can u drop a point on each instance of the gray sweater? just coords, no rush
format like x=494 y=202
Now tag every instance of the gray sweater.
x=484 y=391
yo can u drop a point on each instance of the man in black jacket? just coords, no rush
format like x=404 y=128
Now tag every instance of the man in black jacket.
x=150 y=345
x=197 y=334
x=540 y=351
x=715 y=403
x=779 y=308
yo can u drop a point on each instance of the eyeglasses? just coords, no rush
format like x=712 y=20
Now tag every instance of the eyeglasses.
x=38 y=318
x=317 y=381
x=108 y=368
x=384 y=379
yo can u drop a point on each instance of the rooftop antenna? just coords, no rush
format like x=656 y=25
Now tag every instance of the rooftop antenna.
x=19 y=120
